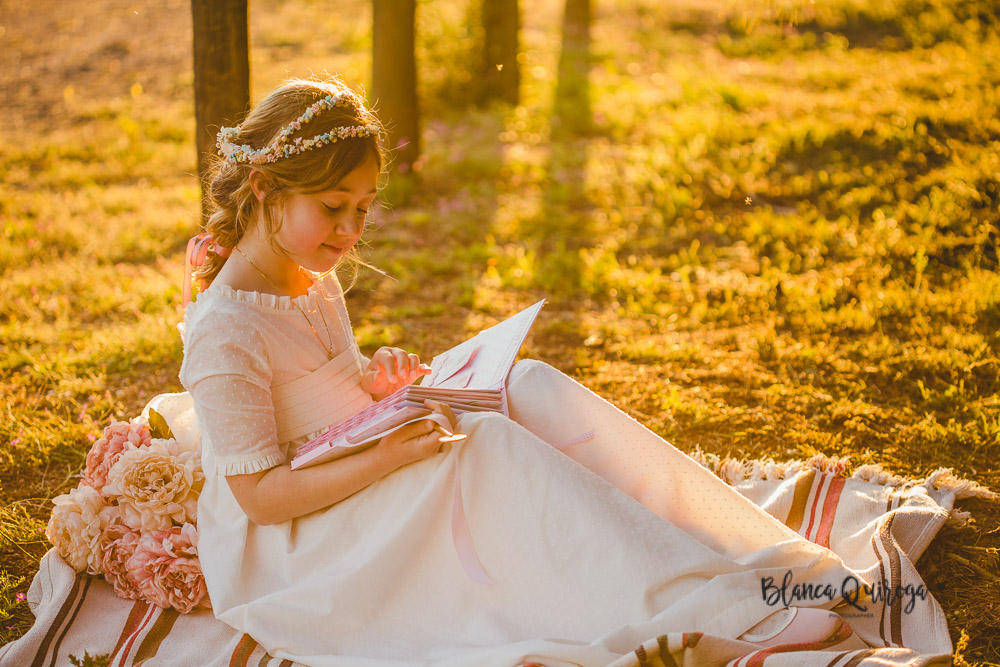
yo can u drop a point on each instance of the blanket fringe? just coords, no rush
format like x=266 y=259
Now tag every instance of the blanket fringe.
x=959 y=518
x=732 y=471
x=944 y=478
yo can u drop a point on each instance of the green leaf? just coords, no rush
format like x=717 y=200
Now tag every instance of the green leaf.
x=90 y=661
x=158 y=427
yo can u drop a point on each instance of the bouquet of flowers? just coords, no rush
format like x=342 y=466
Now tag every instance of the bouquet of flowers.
x=132 y=519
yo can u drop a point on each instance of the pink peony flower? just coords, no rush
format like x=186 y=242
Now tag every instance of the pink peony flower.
x=119 y=542
x=167 y=571
x=106 y=450
x=76 y=526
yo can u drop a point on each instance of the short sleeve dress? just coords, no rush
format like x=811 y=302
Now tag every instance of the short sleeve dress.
x=565 y=534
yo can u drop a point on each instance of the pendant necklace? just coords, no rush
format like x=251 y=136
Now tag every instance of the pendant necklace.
x=329 y=335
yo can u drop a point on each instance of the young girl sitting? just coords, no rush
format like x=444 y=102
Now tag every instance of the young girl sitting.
x=567 y=533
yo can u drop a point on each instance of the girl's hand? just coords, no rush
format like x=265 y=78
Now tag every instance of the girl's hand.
x=391 y=369
x=419 y=440
x=413 y=442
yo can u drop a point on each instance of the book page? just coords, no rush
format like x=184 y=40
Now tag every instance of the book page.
x=483 y=361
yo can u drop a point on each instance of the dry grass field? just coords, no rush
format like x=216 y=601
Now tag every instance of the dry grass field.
x=777 y=236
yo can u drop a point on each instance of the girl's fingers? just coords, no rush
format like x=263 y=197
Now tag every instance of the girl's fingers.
x=387 y=362
x=426 y=439
x=385 y=358
x=418 y=440
x=444 y=409
x=422 y=427
x=378 y=379
x=392 y=368
x=412 y=365
x=401 y=367
x=398 y=365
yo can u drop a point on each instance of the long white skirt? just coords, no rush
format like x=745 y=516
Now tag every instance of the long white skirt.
x=590 y=549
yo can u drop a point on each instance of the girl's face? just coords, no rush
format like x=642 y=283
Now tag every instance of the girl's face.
x=318 y=229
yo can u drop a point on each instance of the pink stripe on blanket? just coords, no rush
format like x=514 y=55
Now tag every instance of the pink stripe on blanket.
x=154 y=637
x=121 y=659
x=842 y=633
x=815 y=504
x=135 y=616
x=829 y=511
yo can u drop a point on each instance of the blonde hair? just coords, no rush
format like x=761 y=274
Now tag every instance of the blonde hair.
x=235 y=207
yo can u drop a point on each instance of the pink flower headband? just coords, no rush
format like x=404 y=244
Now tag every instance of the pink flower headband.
x=281 y=147
x=194 y=256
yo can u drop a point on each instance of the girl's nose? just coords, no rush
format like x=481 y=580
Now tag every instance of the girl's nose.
x=350 y=225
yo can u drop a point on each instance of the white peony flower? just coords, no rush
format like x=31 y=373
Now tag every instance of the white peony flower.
x=76 y=526
x=156 y=486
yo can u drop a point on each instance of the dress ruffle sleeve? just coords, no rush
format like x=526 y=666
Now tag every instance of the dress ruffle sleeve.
x=228 y=374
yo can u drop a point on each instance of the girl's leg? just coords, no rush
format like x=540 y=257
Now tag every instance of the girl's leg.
x=558 y=409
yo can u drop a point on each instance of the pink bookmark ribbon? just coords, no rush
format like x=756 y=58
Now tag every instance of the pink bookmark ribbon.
x=460 y=532
x=462 y=536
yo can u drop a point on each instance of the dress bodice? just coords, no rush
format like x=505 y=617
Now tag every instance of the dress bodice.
x=262 y=376
x=322 y=398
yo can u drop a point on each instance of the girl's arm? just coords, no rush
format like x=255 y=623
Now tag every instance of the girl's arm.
x=279 y=494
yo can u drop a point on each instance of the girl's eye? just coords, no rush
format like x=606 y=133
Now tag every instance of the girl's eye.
x=332 y=209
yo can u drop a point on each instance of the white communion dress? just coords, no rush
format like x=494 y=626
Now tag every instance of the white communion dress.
x=590 y=548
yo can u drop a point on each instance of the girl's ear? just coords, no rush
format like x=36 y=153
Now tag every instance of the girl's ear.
x=259 y=184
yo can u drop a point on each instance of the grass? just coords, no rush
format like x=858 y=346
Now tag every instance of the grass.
x=778 y=235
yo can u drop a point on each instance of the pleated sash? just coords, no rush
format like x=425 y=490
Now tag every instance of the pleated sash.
x=323 y=398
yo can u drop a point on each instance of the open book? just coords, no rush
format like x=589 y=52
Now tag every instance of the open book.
x=470 y=377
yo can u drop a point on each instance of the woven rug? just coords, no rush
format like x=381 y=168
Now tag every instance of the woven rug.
x=877 y=522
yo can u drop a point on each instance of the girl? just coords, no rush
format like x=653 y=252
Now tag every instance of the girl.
x=490 y=551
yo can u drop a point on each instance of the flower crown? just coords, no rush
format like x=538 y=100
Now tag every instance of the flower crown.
x=281 y=147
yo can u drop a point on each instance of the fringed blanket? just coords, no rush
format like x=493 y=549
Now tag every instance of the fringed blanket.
x=877 y=522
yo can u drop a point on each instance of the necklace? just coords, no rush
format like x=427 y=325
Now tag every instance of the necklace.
x=326 y=325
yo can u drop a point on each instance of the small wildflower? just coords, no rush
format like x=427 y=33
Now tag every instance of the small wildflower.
x=748 y=201
x=20 y=597
x=499 y=66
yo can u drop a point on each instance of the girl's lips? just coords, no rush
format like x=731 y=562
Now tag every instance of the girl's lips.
x=341 y=247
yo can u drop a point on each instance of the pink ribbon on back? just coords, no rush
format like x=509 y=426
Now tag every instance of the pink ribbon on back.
x=194 y=256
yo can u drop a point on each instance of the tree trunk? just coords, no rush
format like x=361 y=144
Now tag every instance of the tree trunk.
x=221 y=73
x=572 y=103
x=394 y=79
x=501 y=76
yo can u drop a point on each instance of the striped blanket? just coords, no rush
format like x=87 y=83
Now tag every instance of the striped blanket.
x=878 y=523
